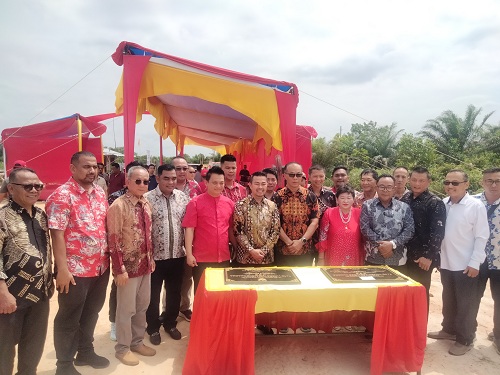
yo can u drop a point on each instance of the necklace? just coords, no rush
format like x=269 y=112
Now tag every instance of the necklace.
x=345 y=220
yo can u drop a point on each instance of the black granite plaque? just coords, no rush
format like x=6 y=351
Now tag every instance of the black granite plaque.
x=362 y=275
x=260 y=276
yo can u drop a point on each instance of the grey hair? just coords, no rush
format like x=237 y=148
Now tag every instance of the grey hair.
x=135 y=168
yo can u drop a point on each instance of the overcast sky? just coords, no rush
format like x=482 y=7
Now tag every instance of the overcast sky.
x=386 y=61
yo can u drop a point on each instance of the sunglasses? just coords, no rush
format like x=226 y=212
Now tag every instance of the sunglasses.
x=181 y=168
x=144 y=182
x=29 y=187
x=293 y=175
x=454 y=183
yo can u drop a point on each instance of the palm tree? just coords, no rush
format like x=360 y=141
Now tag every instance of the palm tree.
x=454 y=136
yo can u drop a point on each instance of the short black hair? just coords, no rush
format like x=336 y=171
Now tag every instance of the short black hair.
x=165 y=167
x=316 y=167
x=257 y=174
x=100 y=164
x=491 y=170
x=227 y=157
x=151 y=165
x=76 y=156
x=419 y=169
x=115 y=165
x=340 y=167
x=270 y=171
x=345 y=189
x=400 y=167
x=371 y=171
x=13 y=174
x=214 y=170
x=466 y=177
x=385 y=175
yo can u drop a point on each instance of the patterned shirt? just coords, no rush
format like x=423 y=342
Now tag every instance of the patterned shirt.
x=359 y=199
x=429 y=216
x=26 y=257
x=326 y=199
x=256 y=226
x=117 y=194
x=493 y=244
x=129 y=233
x=296 y=212
x=235 y=193
x=394 y=223
x=81 y=215
x=210 y=217
x=167 y=215
x=191 y=189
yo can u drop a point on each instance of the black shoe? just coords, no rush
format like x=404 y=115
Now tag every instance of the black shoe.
x=68 y=369
x=265 y=329
x=174 y=333
x=186 y=314
x=155 y=338
x=161 y=318
x=91 y=359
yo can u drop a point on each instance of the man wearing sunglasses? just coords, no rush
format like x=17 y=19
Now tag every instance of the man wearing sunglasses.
x=25 y=274
x=131 y=249
x=3 y=187
x=490 y=269
x=462 y=252
x=77 y=221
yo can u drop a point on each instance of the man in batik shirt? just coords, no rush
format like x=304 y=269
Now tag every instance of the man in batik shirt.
x=129 y=231
x=77 y=223
x=25 y=274
x=256 y=225
x=299 y=217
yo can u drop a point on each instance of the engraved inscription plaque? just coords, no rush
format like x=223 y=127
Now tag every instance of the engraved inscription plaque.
x=362 y=275
x=260 y=276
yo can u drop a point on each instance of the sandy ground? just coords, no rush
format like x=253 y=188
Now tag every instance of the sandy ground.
x=311 y=354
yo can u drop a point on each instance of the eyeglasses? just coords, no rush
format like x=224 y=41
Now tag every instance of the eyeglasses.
x=144 y=182
x=181 y=169
x=492 y=182
x=454 y=183
x=386 y=188
x=29 y=187
x=295 y=175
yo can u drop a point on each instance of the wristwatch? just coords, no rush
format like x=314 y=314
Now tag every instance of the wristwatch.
x=303 y=239
x=393 y=245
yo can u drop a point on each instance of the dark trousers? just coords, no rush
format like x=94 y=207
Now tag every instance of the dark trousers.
x=459 y=305
x=112 y=303
x=198 y=270
x=423 y=277
x=494 y=277
x=304 y=260
x=403 y=269
x=77 y=316
x=170 y=272
x=235 y=264
x=26 y=328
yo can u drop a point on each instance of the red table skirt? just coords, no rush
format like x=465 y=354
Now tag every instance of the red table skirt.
x=222 y=335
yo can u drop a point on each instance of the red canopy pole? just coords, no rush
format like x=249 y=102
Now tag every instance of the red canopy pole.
x=161 y=150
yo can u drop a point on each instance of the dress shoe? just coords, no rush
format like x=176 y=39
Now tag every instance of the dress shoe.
x=127 y=358
x=143 y=350
x=155 y=338
x=68 y=369
x=441 y=335
x=459 y=349
x=91 y=359
x=174 y=333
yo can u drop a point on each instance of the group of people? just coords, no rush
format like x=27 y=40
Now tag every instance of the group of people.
x=164 y=237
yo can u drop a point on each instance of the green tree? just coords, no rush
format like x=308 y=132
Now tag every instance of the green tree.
x=414 y=151
x=455 y=136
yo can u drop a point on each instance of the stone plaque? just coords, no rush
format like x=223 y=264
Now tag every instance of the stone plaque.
x=260 y=276
x=362 y=275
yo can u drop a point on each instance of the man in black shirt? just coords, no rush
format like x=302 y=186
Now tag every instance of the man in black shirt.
x=429 y=216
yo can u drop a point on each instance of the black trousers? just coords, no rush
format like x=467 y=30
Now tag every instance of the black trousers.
x=170 y=272
x=198 y=270
x=423 y=277
x=26 y=328
x=304 y=260
x=494 y=277
x=112 y=302
x=77 y=316
x=459 y=305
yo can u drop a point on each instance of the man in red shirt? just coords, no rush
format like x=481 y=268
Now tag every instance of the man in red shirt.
x=207 y=222
x=77 y=221
x=232 y=189
x=116 y=179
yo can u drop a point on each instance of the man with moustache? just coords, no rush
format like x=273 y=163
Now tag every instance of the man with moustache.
x=77 y=221
x=129 y=232
x=462 y=252
x=340 y=177
x=25 y=275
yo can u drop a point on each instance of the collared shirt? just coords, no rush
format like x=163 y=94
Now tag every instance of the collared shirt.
x=326 y=199
x=466 y=234
x=402 y=195
x=493 y=244
x=391 y=223
x=129 y=236
x=152 y=183
x=256 y=226
x=167 y=215
x=235 y=193
x=101 y=182
x=81 y=215
x=26 y=256
x=191 y=189
x=211 y=219
x=429 y=216
x=116 y=182
x=359 y=199
x=296 y=212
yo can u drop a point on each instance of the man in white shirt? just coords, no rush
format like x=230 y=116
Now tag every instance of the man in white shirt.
x=462 y=252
